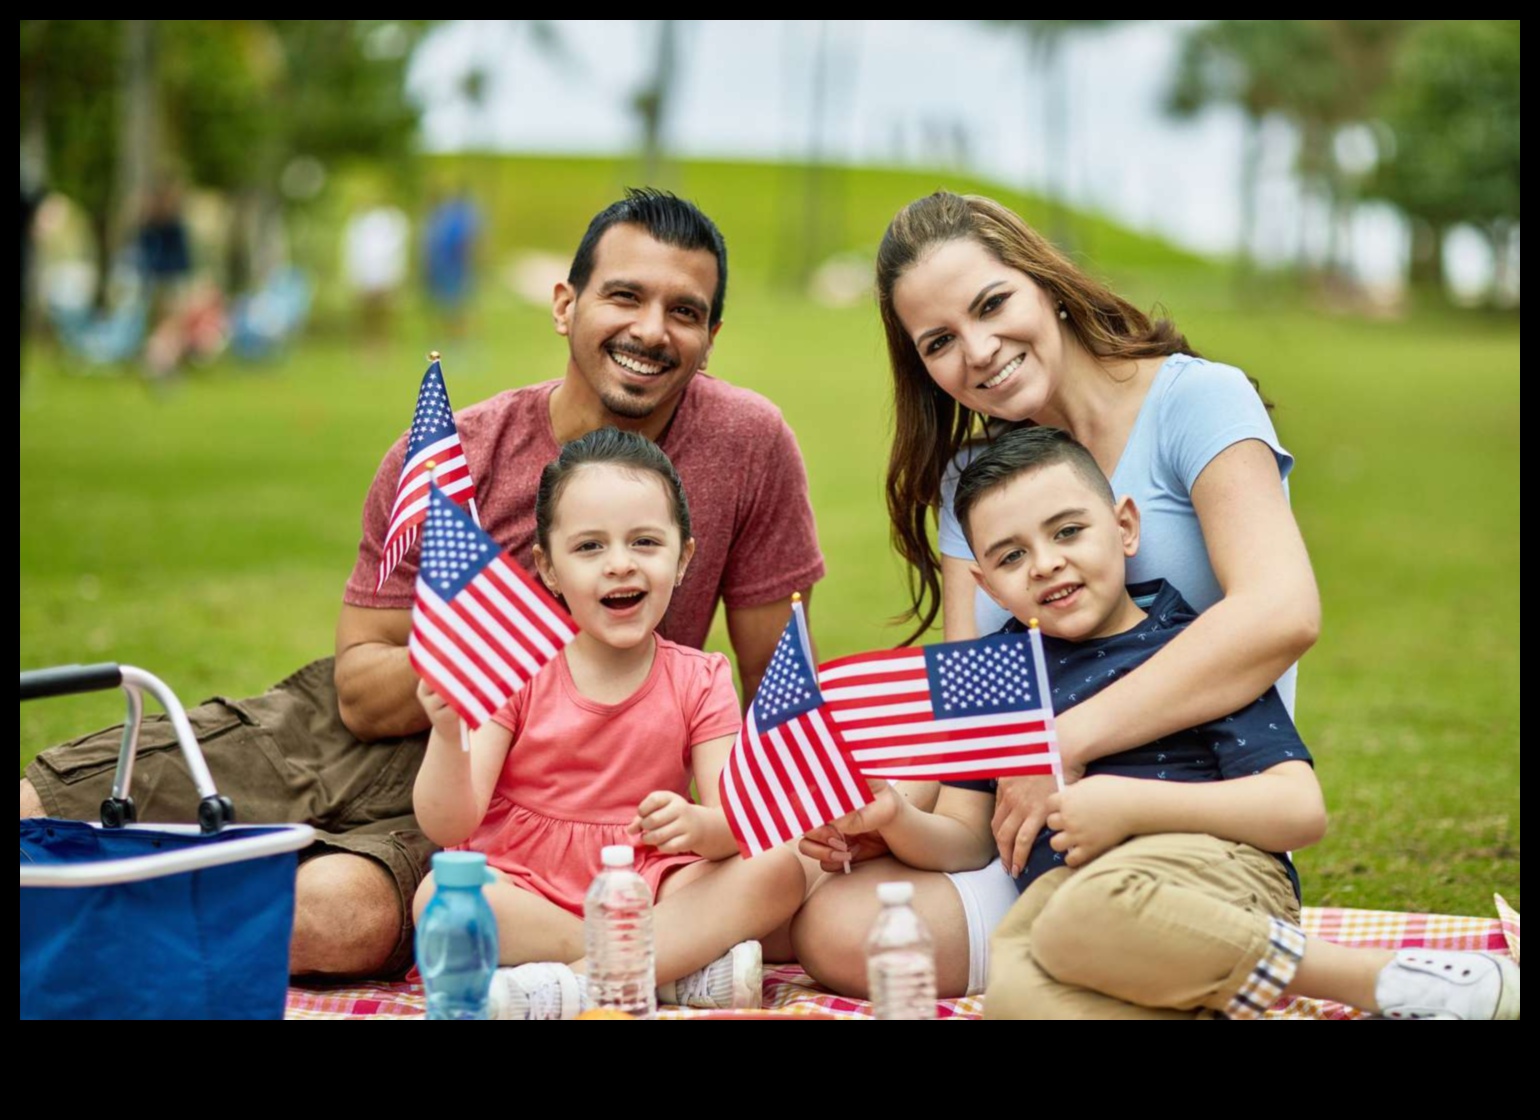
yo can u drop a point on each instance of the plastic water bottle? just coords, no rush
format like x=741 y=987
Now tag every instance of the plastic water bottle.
x=900 y=958
x=457 y=938
x=617 y=934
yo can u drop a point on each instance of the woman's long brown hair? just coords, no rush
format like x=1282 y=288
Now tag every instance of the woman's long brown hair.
x=929 y=427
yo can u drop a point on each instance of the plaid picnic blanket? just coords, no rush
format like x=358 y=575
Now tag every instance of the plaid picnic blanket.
x=792 y=992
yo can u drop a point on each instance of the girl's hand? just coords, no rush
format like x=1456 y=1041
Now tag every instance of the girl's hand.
x=855 y=836
x=1093 y=816
x=670 y=823
x=445 y=720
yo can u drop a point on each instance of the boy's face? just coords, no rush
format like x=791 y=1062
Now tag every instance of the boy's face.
x=1049 y=547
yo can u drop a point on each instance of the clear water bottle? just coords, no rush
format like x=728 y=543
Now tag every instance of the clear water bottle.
x=617 y=934
x=900 y=958
x=456 y=940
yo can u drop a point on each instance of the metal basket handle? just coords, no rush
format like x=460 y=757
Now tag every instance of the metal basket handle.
x=214 y=810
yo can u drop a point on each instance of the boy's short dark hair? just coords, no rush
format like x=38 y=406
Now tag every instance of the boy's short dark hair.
x=1018 y=452
x=666 y=218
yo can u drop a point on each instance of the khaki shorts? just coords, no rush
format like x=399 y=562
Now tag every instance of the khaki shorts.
x=284 y=756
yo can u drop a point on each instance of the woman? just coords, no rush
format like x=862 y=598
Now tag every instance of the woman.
x=989 y=326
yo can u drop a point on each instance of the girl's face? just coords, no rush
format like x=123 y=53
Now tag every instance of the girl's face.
x=988 y=335
x=615 y=553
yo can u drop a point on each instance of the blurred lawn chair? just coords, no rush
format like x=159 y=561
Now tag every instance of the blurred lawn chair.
x=263 y=320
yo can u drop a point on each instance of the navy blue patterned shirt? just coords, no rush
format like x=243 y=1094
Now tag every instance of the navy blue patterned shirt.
x=1256 y=738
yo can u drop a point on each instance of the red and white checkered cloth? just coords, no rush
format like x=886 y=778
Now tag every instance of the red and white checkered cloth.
x=792 y=992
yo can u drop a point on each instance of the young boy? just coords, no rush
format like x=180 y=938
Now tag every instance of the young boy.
x=1161 y=887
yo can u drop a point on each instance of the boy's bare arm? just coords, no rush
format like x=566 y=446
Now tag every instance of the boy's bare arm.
x=1277 y=810
x=954 y=836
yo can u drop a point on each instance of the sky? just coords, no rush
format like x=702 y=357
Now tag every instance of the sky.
x=899 y=92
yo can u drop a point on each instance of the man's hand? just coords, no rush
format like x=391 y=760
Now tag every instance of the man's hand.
x=671 y=823
x=1093 y=816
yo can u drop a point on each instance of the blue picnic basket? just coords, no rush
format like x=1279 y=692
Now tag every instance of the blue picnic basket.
x=127 y=921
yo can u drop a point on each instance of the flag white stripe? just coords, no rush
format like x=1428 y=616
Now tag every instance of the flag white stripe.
x=495 y=654
x=736 y=811
x=878 y=711
x=514 y=580
x=855 y=735
x=873 y=668
x=453 y=647
x=777 y=791
x=497 y=626
x=426 y=453
x=858 y=794
x=816 y=764
x=883 y=688
x=406 y=515
x=746 y=739
x=982 y=743
x=441 y=679
x=778 y=738
x=493 y=585
x=984 y=767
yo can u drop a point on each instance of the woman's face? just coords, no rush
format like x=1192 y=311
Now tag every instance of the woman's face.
x=988 y=335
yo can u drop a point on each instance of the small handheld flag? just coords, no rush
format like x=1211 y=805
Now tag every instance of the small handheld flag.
x=974 y=709
x=789 y=771
x=481 y=627
x=434 y=440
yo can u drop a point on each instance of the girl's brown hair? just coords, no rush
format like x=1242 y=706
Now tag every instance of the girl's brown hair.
x=930 y=427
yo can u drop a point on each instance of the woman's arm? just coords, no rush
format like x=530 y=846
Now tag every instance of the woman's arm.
x=1277 y=810
x=454 y=787
x=1269 y=616
x=958 y=622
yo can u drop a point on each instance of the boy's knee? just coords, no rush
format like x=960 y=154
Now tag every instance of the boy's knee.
x=1100 y=903
x=348 y=918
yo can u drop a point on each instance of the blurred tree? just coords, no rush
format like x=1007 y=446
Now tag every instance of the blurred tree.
x=232 y=102
x=1453 y=153
x=1253 y=64
x=1044 y=40
x=652 y=100
x=1322 y=75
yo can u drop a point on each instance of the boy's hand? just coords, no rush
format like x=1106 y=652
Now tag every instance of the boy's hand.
x=670 y=823
x=1093 y=816
x=1021 y=807
x=445 y=720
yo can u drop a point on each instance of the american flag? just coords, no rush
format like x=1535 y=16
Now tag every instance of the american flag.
x=481 y=628
x=975 y=709
x=434 y=440
x=788 y=772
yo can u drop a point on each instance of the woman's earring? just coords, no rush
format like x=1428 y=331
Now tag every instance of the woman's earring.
x=1063 y=314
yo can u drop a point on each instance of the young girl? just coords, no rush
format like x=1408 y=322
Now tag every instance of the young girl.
x=600 y=749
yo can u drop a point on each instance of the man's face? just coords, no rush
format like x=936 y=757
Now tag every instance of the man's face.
x=639 y=330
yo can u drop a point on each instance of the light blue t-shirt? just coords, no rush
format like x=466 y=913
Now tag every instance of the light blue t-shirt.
x=1195 y=409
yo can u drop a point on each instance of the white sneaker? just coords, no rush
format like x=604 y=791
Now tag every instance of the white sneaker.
x=1442 y=984
x=732 y=980
x=543 y=990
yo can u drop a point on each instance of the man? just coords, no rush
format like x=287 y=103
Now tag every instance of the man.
x=640 y=309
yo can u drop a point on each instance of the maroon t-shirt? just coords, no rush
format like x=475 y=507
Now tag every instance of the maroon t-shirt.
x=755 y=541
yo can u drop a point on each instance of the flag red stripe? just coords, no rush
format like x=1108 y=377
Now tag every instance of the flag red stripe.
x=804 y=767
x=740 y=812
x=446 y=659
x=871 y=658
x=513 y=627
x=940 y=757
x=510 y=578
x=458 y=621
x=777 y=755
x=772 y=821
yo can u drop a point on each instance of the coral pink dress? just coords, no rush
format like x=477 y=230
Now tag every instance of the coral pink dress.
x=577 y=769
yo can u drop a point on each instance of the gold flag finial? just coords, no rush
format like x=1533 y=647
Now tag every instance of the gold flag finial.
x=432 y=355
x=1031 y=624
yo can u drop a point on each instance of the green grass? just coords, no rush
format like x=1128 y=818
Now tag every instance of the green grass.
x=203 y=530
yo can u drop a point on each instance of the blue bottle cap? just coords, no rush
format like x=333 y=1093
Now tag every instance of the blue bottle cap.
x=461 y=869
